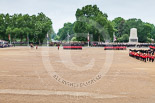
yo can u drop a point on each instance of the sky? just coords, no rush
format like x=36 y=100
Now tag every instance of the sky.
x=62 y=11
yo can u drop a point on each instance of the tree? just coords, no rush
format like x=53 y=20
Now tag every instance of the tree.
x=146 y=32
x=144 y=29
x=42 y=26
x=67 y=29
x=21 y=26
x=91 y=20
x=18 y=33
x=2 y=27
x=119 y=25
x=9 y=31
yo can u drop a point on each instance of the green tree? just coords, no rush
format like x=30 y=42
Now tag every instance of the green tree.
x=144 y=29
x=2 y=27
x=67 y=29
x=119 y=25
x=43 y=26
x=91 y=20
x=19 y=26
x=18 y=33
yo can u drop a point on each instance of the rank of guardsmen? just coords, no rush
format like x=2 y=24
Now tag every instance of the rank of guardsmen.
x=143 y=55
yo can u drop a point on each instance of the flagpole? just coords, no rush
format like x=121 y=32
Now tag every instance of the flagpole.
x=47 y=40
x=27 y=40
x=88 y=39
x=68 y=36
x=114 y=37
x=10 y=38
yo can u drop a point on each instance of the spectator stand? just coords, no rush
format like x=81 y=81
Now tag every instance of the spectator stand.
x=4 y=44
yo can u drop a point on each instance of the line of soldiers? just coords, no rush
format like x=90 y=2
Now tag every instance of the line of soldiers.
x=144 y=55
x=103 y=44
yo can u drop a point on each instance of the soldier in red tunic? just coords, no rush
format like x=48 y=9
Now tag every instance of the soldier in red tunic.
x=153 y=56
x=58 y=47
x=144 y=57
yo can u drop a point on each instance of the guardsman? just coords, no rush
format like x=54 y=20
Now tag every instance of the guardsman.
x=31 y=45
x=138 y=55
x=145 y=57
x=58 y=47
x=149 y=57
x=36 y=46
x=141 y=56
x=153 y=56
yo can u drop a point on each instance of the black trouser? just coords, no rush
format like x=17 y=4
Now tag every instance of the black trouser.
x=144 y=59
x=152 y=59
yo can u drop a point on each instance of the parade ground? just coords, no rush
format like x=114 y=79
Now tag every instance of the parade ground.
x=90 y=75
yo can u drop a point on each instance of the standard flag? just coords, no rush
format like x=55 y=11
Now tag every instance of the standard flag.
x=88 y=37
x=114 y=37
x=47 y=37
x=68 y=36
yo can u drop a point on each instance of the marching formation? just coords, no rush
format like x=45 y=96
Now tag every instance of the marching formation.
x=143 y=55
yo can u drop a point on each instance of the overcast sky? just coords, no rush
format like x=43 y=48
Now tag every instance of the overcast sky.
x=62 y=11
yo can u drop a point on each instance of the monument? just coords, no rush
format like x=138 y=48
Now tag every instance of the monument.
x=133 y=36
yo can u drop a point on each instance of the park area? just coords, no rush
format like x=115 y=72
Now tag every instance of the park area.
x=49 y=75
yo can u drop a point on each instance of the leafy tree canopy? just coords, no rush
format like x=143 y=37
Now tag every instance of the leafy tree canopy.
x=22 y=26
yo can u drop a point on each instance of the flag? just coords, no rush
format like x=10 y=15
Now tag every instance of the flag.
x=9 y=37
x=88 y=37
x=47 y=37
x=68 y=35
x=114 y=37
